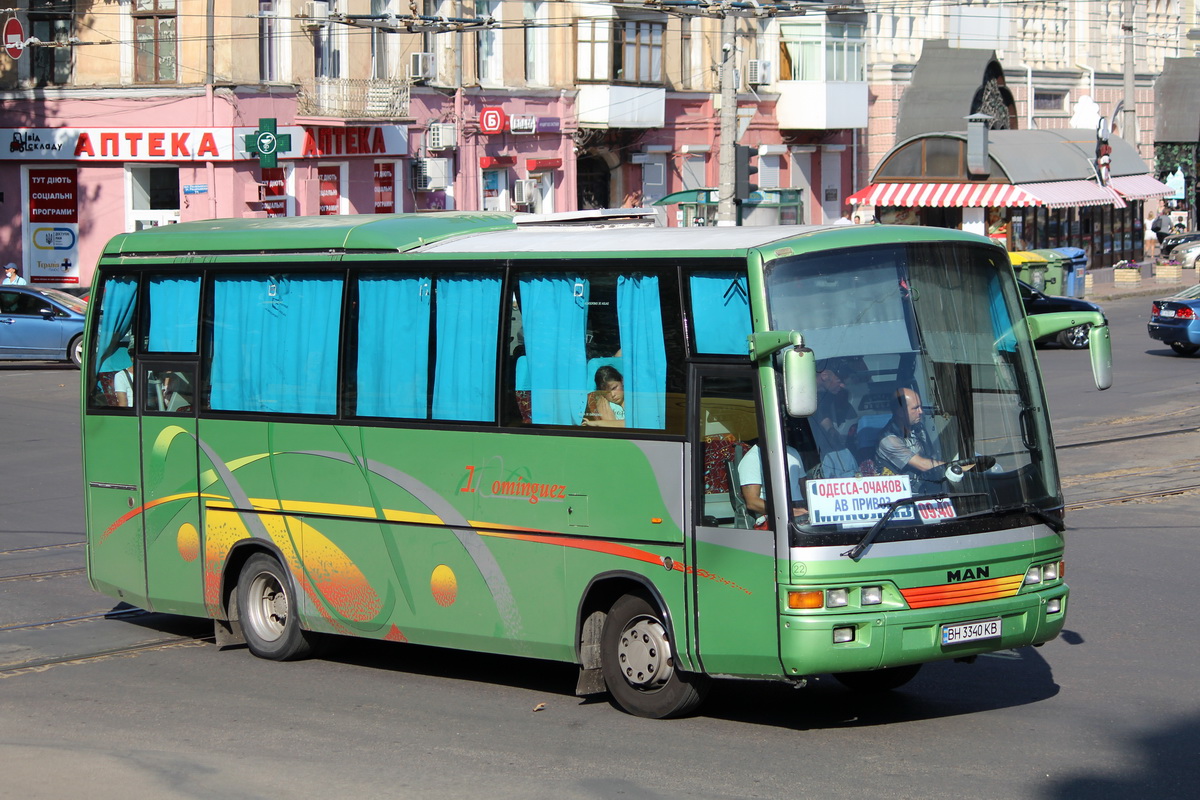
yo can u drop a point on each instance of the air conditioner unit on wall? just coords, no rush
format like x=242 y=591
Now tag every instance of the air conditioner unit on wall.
x=524 y=192
x=758 y=72
x=421 y=66
x=430 y=174
x=441 y=136
x=316 y=15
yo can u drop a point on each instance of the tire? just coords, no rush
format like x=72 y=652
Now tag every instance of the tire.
x=266 y=611
x=637 y=660
x=1184 y=349
x=878 y=680
x=1075 y=338
x=75 y=351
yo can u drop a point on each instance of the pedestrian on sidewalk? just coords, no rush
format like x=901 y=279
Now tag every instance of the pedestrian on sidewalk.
x=11 y=278
x=1161 y=225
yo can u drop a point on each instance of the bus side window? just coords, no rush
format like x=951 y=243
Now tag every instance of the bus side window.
x=728 y=428
x=577 y=326
x=111 y=363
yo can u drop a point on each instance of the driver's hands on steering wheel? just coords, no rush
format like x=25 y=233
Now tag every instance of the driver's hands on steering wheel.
x=957 y=467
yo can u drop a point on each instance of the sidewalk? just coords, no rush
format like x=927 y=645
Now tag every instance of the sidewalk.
x=1104 y=287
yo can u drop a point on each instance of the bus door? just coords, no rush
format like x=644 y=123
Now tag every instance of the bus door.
x=171 y=494
x=734 y=577
x=111 y=459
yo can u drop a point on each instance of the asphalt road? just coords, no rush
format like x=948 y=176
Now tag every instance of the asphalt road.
x=1108 y=710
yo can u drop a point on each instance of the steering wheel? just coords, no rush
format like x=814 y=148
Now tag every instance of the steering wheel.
x=956 y=468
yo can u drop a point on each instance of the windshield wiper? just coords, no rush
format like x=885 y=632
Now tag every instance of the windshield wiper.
x=856 y=552
x=1055 y=523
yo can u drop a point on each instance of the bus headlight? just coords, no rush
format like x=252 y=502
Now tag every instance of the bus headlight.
x=1050 y=571
x=1033 y=575
x=872 y=595
x=1054 y=606
x=836 y=598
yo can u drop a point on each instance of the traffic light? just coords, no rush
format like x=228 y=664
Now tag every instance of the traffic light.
x=742 y=170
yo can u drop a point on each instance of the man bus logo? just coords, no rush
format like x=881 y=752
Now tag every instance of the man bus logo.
x=968 y=574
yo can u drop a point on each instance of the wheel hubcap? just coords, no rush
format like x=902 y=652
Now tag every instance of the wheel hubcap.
x=269 y=611
x=644 y=654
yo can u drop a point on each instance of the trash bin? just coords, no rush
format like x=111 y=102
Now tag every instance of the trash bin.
x=1029 y=267
x=1056 y=271
x=1077 y=270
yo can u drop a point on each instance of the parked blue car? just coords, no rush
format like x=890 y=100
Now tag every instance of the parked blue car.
x=41 y=324
x=1176 y=321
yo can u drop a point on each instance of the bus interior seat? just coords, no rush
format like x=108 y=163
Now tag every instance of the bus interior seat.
x=593 y=364
x=741 y=514
x=720 y=451
x=521 y=389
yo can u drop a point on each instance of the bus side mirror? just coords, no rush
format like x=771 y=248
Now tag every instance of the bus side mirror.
x=1100 y=349
x=800 y=381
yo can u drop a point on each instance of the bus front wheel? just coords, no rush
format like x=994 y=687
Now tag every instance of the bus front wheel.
x=266 y=610
x=878 y=680
x=638 y=662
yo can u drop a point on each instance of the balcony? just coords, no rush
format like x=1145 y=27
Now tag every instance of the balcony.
x=352 y=98
x=821 y=105
x=604 y=105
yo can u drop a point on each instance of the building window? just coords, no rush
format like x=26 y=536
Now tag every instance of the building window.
x=154 y=32
x=622 y=50
x=270 y=41
x=1049 y=100
x=488 y=44
x=822 y=51
x=50 y=21
x=327 y=49
x=537 y=43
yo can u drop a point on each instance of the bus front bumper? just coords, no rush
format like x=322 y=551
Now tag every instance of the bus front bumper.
x=829 y=642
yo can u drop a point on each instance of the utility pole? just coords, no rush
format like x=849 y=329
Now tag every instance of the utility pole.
x=1129 y=119
x=727 y=211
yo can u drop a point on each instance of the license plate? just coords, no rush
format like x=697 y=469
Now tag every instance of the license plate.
x=975 y=631
x=1166 y=312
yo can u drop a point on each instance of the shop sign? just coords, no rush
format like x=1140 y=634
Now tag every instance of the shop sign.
x=198 y=144
x=195 y=188
x=52 y=226
x=523 y=123
x=549 y=125
x=274 y=183
x=385 y=187
x=329 y=180
x=492 y=120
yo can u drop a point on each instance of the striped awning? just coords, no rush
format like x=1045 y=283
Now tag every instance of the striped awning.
x=1055 y=194
x=944 y=195
x=1140 y=187
x=1072 y=194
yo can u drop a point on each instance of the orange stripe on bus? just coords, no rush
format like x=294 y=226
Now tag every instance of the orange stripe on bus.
x=969 y=592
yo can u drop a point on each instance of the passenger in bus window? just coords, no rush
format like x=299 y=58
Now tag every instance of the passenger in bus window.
x=606 y=406
x=122 y=388
x=754 y=494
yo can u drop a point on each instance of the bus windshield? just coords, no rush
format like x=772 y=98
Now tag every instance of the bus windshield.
x=927 y=385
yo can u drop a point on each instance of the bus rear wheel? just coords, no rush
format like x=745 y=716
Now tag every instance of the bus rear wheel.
x=878 y=680
x=266 y=610
x=638 y=662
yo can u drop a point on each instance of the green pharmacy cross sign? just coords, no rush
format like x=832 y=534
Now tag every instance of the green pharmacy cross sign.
x=266 y=144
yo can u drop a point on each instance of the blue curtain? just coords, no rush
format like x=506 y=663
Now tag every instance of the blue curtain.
x=720 y=313
x=116 y=321
x=639 y=314
x=393 y=346
x=554 y=319
x=468 y=329
x=1002 y=331
x=275 y=343
x=174 y=312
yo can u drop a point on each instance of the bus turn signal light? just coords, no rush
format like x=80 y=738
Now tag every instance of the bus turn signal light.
x=815 y=599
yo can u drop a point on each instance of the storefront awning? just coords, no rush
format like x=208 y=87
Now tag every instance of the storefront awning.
x=1054 y=194
x=1073 y=194
x=1141 y=187
x=944 y=195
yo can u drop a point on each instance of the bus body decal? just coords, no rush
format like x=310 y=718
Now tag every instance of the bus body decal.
x=970 y=592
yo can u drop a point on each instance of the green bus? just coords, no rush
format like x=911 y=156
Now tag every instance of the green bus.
x=663 y=454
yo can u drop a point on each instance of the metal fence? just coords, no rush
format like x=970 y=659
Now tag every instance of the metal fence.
x=354 y=98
